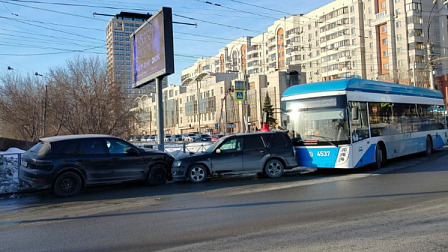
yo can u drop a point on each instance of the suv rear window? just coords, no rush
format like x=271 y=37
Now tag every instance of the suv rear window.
x=41 y=148
x=278 y=141
x=253 y=142
x=275 y=140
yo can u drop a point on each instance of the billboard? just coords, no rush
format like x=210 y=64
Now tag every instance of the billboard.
x=152 y=48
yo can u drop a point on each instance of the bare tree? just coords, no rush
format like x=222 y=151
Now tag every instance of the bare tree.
x=84 y=102
x=21 y=106
x=79 y=100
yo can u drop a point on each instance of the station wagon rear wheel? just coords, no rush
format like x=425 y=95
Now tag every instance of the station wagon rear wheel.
x=67 y=184
x=274 y=168
x=197 y=174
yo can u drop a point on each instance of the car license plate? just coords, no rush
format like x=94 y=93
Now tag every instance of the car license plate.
x=24 y=164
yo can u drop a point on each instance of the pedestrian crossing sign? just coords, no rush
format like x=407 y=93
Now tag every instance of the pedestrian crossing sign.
x=240 y=95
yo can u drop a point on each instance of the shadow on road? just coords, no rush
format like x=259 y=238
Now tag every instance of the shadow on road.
x=136 y=190
x=218 y=207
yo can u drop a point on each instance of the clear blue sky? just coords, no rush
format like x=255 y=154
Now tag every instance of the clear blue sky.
x=60 y=32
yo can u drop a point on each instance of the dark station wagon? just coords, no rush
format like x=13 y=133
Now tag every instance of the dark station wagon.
x=66 y=164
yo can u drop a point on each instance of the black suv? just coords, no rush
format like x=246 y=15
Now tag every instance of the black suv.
x=270 y=153
x=65 y=164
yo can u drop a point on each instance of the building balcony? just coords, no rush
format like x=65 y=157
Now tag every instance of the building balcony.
x=380 y=18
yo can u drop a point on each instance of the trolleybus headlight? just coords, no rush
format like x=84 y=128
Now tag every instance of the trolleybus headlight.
x=343 y=153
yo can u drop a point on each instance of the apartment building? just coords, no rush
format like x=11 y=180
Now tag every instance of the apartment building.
x=119 y=58
x=372 y=39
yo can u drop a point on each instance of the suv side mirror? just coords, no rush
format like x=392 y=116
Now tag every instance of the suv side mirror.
x=132 y=151
x=218 y=151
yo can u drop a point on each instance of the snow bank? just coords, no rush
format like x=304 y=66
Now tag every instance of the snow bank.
x=9 y=171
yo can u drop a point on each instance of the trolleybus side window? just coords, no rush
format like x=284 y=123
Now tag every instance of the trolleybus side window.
x=359 y=121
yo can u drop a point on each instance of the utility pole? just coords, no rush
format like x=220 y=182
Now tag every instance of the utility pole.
x=45 y=111
x=413 y=74
x=428 y=43
x=429 y=63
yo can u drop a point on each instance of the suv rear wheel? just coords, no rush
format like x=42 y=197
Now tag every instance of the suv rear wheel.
x=157 y=175
x=274 y=168
x=67 y=184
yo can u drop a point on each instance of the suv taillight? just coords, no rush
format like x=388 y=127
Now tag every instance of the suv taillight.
x=43 y=165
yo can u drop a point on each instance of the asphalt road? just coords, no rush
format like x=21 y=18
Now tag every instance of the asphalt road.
x=403 y=207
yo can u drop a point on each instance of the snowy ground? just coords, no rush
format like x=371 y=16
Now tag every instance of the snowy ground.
x=9 y=176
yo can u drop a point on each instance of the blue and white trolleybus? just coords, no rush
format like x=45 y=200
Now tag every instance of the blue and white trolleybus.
x=349 y=123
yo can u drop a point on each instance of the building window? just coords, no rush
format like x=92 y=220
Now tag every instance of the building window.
x=398 y=24
x=384 y=29
x=385 y=53
x=400 y=50
x=352 y=9
x=371 y=44
x=400 y=63
x=383 y=5
x=386 y=66
x=414 y=6
x=352 y=20
x=384 y=41
x=399 y=37
x=397 y=12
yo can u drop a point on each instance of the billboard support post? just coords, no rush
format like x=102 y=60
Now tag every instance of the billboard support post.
x=159 y=100
x=153 y=58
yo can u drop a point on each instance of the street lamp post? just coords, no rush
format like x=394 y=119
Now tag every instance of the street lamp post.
x=44 y=116
x=428 y=43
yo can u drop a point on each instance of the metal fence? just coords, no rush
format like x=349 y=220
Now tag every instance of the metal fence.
x=9 y=172
x=178 y=149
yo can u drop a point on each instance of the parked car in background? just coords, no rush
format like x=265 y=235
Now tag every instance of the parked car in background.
x=203 y=138
x=216 y=137
x=198 y=137
x=176 y=138
x=152 y=138
x=66 y=164
x=270 y=153
x=191 y=136
x=167 y=138
x=145 y=138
